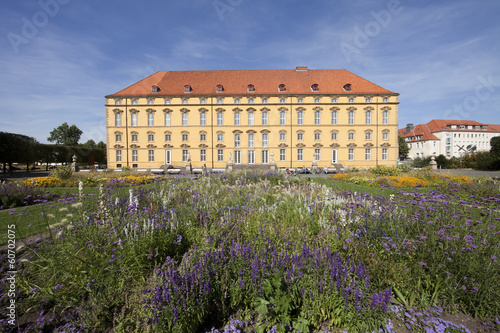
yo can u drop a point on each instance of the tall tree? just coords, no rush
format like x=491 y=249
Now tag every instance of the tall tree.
x=89 y=144
x=100 y=145
x=16 y=148
x=404 y=149
x=495 y=146
x=66 y=135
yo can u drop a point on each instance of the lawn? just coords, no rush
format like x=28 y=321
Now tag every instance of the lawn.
x=258 y=253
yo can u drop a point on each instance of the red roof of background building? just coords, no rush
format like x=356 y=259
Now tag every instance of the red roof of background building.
x=266 y=82
x=419 y=130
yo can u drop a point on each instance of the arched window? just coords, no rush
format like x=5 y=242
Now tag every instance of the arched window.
x=282 y=87
x=220 y=88
x=347 y=87
x=187 y=88
x=251 y=88
x=315 y=87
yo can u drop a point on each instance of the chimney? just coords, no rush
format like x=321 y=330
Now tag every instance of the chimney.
x=301 y=68
x=409 y=128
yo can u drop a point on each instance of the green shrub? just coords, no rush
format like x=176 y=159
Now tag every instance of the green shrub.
x=62 y=172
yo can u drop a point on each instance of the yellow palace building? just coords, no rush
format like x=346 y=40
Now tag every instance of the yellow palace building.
x=252 y=117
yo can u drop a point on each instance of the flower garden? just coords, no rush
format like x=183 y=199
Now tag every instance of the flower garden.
x=244 y=252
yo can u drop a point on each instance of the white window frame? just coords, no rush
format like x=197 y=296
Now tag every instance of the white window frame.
x=168 y=118
x=350 y=154
x=265 y=141
x=203 y=119
x=265 y=156
x=220 y=155
x=368 y=154
x=385 y=154
x=251 y=119
x=300 y=154
x=282 y=136
x=203 y=155
x=237 y=121
x=282 y=154
x=237 y=141
x=184 y=119
x=317 y=154
x=118 y=156
x=135 y=155
x=133 y=119
x=334 y=118
x=118 y=119
x=265 y=119
x=282 y=118
x=220 y=118
x=251 y=140
x=385 y=117
x=300 y=118
x=317 y=117
x=185 y=154
x=251 y=157
x=151 y=155
x=368 y=118
x=237 y=157
x=334 y=156
x=350 y=118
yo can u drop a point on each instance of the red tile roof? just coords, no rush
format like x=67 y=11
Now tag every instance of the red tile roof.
x=266 y=82
x=422 y=130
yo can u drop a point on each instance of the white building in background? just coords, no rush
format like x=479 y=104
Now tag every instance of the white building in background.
x=448 y=137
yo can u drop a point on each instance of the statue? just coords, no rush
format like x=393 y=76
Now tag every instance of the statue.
x=189 y=157
x=272 y=157
x=229 y=157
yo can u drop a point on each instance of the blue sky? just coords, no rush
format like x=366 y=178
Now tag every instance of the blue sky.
x=59 y=58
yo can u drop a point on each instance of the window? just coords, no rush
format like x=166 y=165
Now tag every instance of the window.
x=282 y=155
x=385 y=117
x=134 y=102
x=282 y=100
x=250 y=88
x=368 y=154
x=281 y=87
x=317 y=100
x=236 y=119
x=135 y=156
x=251 y=119
x=300 y=136
x=134 y=119
x=237 y=142
x=300 y=118
x=220 y=137
x=385 y=136
x=264 y=118
x=220 y=88
x=317 y=136
x=185 y=137
x=118 y=119
x=282 y=136
x=203 y=155
x=118 y=102
x=167 y=101
x=134 y=137
x=187 y=89
x=220 y=101
x=236 y=101
x=250 y=140
x=315 y=87
x=220 y=118
x=334 y=117
x=351 y=100
x=118 y=138
x=317 y=154
x=264 y=140
x=265 y=157
x=151 y=155
x=351 y=136
x=184 y=119
x=317 y=118
x=203 y=101
x=168 y=138
x=385 y=100
x=250 y=101
x=251 y=157
x=300 y=100
x=118 y=155
x=368 y=136
x=347 y=87
x=167 y=119
x=150 y=101
x=151 y=119
x=203 y=137
x=300 y=154
x=385 y=155
x=334 y=100
x=368 y=100
x=334 y=156
x=220 y=155
x=264 y=101
x=237 y=157
x=203 y=119
x=185 y=101
x=168 y=156
x=282 y=118
x=151 y=138
x=351 y=154
x=185 y=154
x=368 y=118
x=334 y=135
x=351 y=117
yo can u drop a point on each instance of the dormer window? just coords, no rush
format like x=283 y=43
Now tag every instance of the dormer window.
x=347 y=87
x=315 y=87
x=251 y=88
x=155 y=89
x=220 y=88
x=282 y=87
x=187 y=89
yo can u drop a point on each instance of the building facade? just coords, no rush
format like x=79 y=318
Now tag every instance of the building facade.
x=290 y=117
x=451 y=138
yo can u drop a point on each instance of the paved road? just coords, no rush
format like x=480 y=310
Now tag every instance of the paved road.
x=472 y=173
